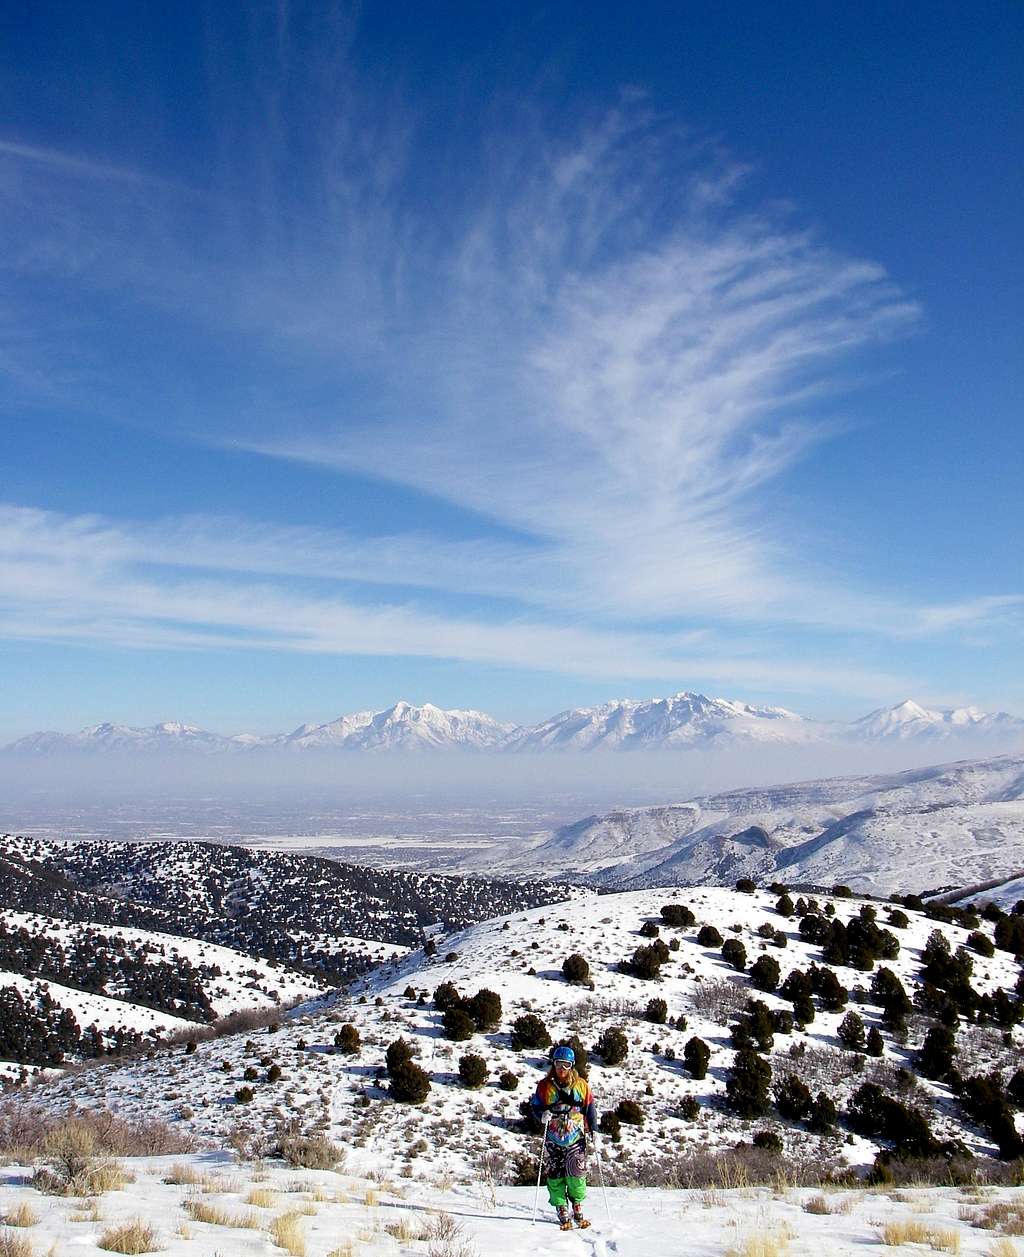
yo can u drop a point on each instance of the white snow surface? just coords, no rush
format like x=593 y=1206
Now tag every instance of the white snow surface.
x=348 y=1211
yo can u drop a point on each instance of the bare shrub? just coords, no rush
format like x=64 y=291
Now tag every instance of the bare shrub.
x=719 y=1001
x=447 y=1238
x=130 y=1237
x=24 y=1129
x=744 y=1166
x=608 y=1006
x=71 y=1151
x=311 y=1153
x=249 y=1144
x=827 y=1069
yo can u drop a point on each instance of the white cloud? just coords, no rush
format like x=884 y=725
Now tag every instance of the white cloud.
x=85 y=580
x=591 y=339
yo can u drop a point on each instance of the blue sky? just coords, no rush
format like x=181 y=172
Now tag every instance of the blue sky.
x=510 y=357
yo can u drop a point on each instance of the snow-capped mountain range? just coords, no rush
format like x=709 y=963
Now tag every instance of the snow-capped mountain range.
x=682 y=721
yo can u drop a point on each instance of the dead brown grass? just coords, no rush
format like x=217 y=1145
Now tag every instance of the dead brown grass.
x=215 y=1215
x=130 y=1237
x=21 y=1215
x=12 y=1245
x=286 y=1232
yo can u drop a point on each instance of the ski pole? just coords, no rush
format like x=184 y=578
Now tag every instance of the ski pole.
x=600 y=1179
x=540 y=1166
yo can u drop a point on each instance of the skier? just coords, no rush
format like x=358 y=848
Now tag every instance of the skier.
x=567 y=1097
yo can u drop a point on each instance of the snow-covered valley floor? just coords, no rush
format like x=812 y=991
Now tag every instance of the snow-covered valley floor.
x=347 y=1215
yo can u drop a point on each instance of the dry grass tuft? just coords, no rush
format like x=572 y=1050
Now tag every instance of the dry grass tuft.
x=87 y=1210
x=12 y=1245
x=211 y=1184
x=346 y=1249
x=203 y=1211
x=913 y=1231
x=21 y=1215
x=371 y=1197
x=262 y=1198
x=817 y=1204
x=905 y=1231
x=762 y=1243
x=130 y=1237
x=1002 y=1247
x=181 y=1175
x=286 y=1231
x=1005 y=1216
x=407 y=1229
x=447 y=1238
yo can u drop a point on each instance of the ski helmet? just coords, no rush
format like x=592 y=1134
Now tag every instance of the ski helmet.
x=565 y=1054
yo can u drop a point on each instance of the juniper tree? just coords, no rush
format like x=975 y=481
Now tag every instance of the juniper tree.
x=935 y=1058
x=696 y=1055
x=851 y=1032
x=747 y=1086
x=792 y=1098
x=765 y=973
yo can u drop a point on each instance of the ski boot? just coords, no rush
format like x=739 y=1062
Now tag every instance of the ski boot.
x=578 y=1218
x=564 y=1218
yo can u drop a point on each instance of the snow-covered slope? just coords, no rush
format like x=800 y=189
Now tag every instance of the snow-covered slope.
x=297 y=908
x=520 y=958
x=914 y=831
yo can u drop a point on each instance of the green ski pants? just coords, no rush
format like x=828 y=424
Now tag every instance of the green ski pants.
x=569 y=1185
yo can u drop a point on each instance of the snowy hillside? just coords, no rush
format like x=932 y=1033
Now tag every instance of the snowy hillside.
x=290 y=907
x=685 y=1114
x=138 y=938
x=919 y=830
x=683 y=721
x=119 y=985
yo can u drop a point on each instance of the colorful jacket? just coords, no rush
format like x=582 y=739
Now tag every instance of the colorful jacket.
x=573 y=1111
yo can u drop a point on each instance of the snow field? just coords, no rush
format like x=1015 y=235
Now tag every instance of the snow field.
x=348 y=1215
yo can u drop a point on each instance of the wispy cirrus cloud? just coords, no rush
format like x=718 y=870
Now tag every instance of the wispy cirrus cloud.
x=196 y=583
x=592 y=340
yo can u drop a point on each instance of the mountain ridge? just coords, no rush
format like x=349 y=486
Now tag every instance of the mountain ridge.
x=682 y=721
